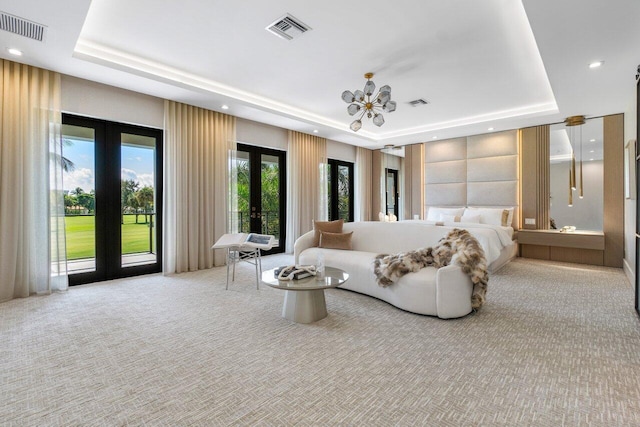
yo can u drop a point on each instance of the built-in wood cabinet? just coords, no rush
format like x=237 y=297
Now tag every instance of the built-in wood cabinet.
x=584 y=247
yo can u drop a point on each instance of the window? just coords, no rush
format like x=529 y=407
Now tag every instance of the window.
x=340 y=190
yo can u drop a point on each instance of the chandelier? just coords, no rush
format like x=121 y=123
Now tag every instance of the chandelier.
x=365 y=102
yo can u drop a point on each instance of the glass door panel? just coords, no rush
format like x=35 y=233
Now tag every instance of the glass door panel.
x=392 y=191
x=270 y=195
x=79 y=184
x=137 y=200
x=344 y=193
x=242 y=171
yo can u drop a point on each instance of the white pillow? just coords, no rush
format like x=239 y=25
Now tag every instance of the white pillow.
x=449 y=218
x=470 y=218
x=434 y=213
x=494 y=216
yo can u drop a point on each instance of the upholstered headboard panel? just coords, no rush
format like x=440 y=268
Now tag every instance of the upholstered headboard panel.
x=480 y=170
x=446 y=172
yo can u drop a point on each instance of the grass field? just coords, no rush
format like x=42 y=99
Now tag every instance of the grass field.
x=81 y=236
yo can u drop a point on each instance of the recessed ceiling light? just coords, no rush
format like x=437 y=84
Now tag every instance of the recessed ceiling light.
x=596 y=64
x=315 y=131
x=490 y=129
x=591 y=159
x=225 y=107
x=592 y=151
x=434 y=137
x=14 y=51
x=592 y=140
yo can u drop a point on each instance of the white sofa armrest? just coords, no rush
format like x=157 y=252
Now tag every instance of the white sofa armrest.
x=303 y=242
x=453 y=292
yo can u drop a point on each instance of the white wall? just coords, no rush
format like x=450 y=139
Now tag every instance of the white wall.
x=87 y=98
x=339 y=151
x=586 y=213
x=262 y=135
x=254 y=133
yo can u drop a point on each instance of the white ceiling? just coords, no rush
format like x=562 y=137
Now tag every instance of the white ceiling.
x=586 y=141
x=480 y=64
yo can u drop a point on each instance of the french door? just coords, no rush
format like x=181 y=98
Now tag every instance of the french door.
x=260 y=175
x=113 y=199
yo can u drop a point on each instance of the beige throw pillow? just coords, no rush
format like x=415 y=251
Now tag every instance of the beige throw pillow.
x=505 y=218
x=330 y=226
x=335 y=240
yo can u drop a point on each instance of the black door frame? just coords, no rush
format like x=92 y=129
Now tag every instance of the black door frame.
x=396 y=192
x=334 y=164
x=255 y=197
x=108 y=234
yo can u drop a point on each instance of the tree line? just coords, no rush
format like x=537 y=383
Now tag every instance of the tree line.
x=133 y=200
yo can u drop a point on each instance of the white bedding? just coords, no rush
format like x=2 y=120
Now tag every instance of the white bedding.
x=492 y=238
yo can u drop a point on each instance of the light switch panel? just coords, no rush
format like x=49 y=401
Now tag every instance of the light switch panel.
x=530 y=221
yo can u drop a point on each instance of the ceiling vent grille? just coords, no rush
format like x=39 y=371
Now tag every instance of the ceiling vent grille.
x=288 y=27
x=22 y=27
x=418 y=102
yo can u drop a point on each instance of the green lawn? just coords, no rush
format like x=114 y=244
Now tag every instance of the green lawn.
x=81 y=236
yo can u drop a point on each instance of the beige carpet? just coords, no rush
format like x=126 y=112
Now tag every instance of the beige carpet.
x=556 y=344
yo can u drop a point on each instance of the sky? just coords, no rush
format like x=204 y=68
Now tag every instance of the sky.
x=137 y=164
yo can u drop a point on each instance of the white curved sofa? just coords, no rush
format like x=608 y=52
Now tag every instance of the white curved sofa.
x=443 y=292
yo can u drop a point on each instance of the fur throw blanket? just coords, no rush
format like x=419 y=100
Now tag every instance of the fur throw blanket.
x=459 y=246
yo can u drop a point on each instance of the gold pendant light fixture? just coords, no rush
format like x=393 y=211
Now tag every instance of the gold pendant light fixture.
x=366 y=102
x=575 y=137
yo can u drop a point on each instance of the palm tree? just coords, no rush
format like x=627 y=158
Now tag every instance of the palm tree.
x=144 y=197
x=67 y=164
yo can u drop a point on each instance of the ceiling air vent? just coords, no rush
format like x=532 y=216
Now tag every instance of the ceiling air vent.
x=418 y=102
x=22 y=27
x=288 y=27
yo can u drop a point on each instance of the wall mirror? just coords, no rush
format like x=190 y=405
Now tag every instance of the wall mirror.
x=576 y=176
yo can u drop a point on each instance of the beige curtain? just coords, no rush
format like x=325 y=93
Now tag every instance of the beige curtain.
x=306 y=184
x=30 y=178
x=196 y=153
x=363 y=184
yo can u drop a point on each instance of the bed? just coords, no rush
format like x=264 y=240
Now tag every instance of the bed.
x=493 y=226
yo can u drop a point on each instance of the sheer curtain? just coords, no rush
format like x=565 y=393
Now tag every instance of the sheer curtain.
x=232 y=198
x=306 y=184
x=30 y=178
x=196 y=157
x=363 y=184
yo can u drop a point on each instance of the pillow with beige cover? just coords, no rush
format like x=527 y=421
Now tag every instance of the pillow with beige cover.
x=336 y=240
x=329 y=226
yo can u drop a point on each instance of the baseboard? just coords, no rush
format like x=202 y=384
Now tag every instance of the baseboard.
x=628 y=271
